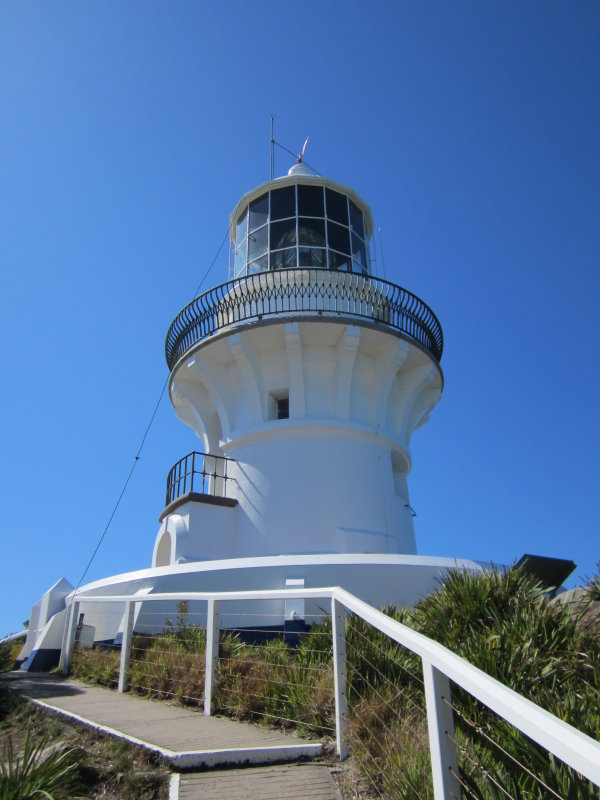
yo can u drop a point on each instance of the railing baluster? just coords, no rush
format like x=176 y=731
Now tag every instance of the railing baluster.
x=126 y=646
x=444 y=765
x=338 y=633
x=212 y=653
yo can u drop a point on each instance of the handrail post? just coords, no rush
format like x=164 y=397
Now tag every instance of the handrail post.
x=338 y=634
x=440 y=722
x=212 y=653
x=69 y=640
x=126 y=646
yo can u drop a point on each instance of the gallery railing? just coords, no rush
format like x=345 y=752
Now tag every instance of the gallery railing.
x=304 y=292
x=201 y=473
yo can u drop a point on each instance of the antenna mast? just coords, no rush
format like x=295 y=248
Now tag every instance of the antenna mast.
x=272 y=147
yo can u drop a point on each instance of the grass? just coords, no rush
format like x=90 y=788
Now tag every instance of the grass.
x=499 y=621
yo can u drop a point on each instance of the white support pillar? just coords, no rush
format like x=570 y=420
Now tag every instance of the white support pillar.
x=442 y=748
x=69 y=639
x=126 y=646
x=65 y=637
x=338 y=632
x=212 y=653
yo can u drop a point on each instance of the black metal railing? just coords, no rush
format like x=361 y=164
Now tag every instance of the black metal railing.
x=201 y=473
x=303 y=292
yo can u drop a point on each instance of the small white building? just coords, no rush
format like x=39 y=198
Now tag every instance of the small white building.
x=304 y=377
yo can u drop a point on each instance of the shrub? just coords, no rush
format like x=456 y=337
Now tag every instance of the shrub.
x=593 y=584
x=502 y=623
x=35 y=774
x=6 y=659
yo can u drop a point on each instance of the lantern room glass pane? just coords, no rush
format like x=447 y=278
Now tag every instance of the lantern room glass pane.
x=283 y=234
x=359 y=254
x=240 y=258
x=313 y=257
x=311 y=231
x=241 y=227
x=283 y=203
x=284 y=259
x=310 y=201
x=356 y=220
x=258 y=242
x=339 y=261
x=337 y=206
x=259 y=212
x=259 y=265
x=338 y=237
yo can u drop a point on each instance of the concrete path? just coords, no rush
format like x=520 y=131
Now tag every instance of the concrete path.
x=186 y=739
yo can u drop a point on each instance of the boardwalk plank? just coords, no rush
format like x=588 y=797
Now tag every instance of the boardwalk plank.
x=297 y=782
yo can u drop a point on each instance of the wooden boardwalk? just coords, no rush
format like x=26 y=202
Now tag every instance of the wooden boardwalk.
x=186 y=739
x=297 y=782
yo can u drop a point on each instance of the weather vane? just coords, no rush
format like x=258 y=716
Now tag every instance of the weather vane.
x=301 y=153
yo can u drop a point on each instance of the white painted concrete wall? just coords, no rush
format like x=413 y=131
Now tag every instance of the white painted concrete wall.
x=195 y=532
x=51 y=603
x=318 y=489
x=330 y=479
x=378 y=579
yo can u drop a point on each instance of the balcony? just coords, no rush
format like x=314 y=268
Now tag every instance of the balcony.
x=199 y=477
x=304 y=293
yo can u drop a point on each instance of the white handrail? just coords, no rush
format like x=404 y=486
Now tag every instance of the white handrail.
x=570 y=745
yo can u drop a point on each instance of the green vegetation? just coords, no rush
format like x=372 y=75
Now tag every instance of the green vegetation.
x=6 y=659
x=42 y=756
x=36 y=772
x=499 y=621
x=593 y=584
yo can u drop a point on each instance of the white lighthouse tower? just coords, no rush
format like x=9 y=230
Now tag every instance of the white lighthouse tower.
x=304 y=377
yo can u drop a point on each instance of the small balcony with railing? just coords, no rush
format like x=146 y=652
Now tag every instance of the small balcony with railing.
x=201 y=478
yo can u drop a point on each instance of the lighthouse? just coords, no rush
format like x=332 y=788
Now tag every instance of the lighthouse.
x=304 y=377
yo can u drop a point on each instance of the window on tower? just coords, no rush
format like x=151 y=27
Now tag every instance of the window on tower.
x=283 y=407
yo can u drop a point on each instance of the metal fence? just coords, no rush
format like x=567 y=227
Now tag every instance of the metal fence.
x=198 y=472
x=304 y=292
x=397 y=699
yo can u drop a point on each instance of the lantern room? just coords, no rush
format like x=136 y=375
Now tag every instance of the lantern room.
x=301 y=220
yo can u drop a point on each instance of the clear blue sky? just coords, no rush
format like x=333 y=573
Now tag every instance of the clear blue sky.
x=129 y=131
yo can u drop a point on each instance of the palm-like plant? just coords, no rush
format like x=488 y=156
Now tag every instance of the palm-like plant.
x=33 y=775
x=593 y=584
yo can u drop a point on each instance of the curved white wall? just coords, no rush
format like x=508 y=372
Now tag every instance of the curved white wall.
x=332 y=477
x=317 y=489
